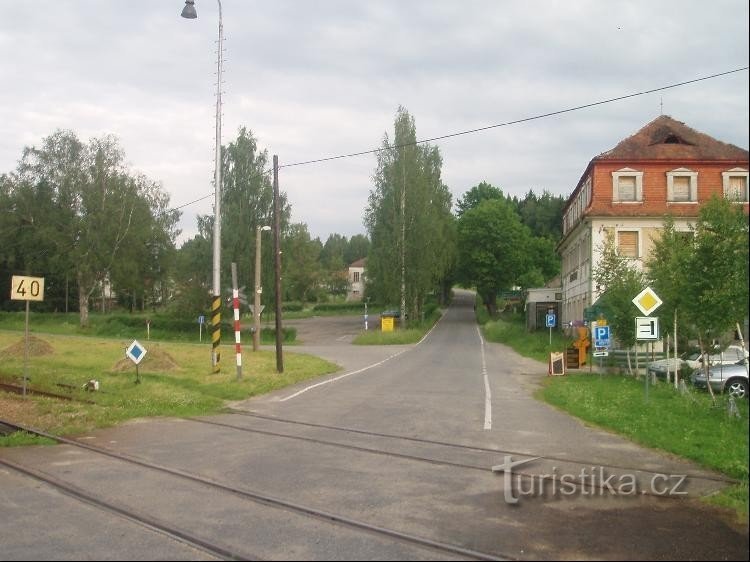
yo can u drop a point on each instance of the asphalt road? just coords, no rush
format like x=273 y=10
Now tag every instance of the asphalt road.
x=403 y=439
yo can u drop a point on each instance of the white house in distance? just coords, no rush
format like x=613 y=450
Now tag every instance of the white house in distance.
x=356 y=280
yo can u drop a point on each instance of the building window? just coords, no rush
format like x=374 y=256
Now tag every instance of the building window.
x=627 y=186
x=356 y=276
x=735 y=185
x=627 y=243
x=682 y=186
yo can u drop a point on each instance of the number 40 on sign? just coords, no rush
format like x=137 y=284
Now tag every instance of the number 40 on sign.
x=27 y=288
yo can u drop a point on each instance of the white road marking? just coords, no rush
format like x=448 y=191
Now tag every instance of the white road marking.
x=363 y=368
x=487 y=393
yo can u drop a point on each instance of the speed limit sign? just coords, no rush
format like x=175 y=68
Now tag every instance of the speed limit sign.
x=27 y=288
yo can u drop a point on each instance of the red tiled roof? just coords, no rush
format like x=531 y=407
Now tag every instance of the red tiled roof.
x=362 y=262
x=666 y=139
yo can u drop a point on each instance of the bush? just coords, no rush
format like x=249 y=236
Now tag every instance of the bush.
x=269 y=334
x=339 y=306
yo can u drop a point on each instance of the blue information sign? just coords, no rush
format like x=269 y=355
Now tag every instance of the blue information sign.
x=551 y=320
x=601 y=336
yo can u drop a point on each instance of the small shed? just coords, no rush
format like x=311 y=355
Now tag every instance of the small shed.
x=539 y=303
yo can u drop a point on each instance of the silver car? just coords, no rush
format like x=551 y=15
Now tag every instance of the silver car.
x=729 y=356
x=731 y=379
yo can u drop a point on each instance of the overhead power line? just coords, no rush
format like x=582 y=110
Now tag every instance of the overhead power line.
x=497 y=125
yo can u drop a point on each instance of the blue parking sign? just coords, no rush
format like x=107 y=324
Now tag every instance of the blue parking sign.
x=601 y=336
x=550 y=323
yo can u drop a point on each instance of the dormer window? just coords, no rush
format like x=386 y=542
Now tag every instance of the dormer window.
x=682 y=186
x=627 y=186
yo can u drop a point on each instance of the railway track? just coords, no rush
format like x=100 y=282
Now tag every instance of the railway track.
x=212 y=547
x=489 y=456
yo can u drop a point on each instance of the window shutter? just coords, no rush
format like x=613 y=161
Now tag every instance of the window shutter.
x=737 y=188
x=627 y=244
x=626 y=188
x=681 y=188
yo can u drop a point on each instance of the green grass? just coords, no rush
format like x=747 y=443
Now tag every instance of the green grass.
x=398 y=336
x=513 y=334
x=21 y=438
x=686 y=425
x=185 y=387
x=689 y=426
x=122 y=325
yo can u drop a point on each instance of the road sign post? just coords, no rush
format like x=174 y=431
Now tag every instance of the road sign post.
x=136 y=352
x=646 y=328
x=26 y=289
x=550 y=322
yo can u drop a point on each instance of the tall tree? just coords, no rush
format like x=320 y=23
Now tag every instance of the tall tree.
x=668 y=271
x=476 y=195
x=95 y=201
x=357 y=248
x=542 y=214
x=301 y=272
x=409 y=222
x=493 y=249
x=247 y=202
x=717 y=296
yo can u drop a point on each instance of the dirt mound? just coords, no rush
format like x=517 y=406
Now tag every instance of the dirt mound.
x=37 y=347
x=156 y=360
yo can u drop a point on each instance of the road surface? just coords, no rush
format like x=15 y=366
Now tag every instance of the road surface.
x=392 y=458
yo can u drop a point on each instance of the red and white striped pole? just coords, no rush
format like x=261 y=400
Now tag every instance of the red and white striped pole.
x=236 y=306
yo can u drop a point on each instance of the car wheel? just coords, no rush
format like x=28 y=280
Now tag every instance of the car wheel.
x=737 y=388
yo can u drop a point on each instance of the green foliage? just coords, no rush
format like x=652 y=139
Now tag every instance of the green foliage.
x=716 y=297
x=399 y=336
x=408 y=219
x=510 y=329
x=186 y=389
x=81 y=219
x=619 y=281
x=302 y=274
x=493 y=249
x=268 y=335
x=339 y=306
x=543 y=214
x=22 y=439
x=692 y=428
x=477 y=195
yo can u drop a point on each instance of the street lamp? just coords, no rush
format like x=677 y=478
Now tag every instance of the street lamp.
x=189 y=12
x=258 y=289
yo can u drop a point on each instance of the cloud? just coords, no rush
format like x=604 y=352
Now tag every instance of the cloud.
x=319 y=79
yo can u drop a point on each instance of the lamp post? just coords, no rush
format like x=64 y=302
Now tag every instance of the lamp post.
x=258 y=289
x=189 y=12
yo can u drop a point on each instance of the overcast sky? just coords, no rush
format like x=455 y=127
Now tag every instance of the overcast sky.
x=323 y=78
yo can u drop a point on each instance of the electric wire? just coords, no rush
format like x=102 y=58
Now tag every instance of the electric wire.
x=490 y=127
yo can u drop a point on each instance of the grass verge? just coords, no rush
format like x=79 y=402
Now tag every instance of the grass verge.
x=176 y=380
x=398 y=336
x=687 y=425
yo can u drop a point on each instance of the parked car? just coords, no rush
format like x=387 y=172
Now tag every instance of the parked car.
x=725 y=378
x=692 y=361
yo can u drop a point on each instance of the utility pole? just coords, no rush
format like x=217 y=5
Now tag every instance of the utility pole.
x=277 y=261
x=402 y=320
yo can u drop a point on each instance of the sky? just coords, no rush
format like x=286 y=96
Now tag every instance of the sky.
x=318 y=79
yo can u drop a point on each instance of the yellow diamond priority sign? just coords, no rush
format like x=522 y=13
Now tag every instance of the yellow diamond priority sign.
x=647 y=301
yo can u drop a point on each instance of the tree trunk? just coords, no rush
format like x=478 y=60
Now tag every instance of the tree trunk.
x=705 y=366
x=677 y=363
x=83 y=304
